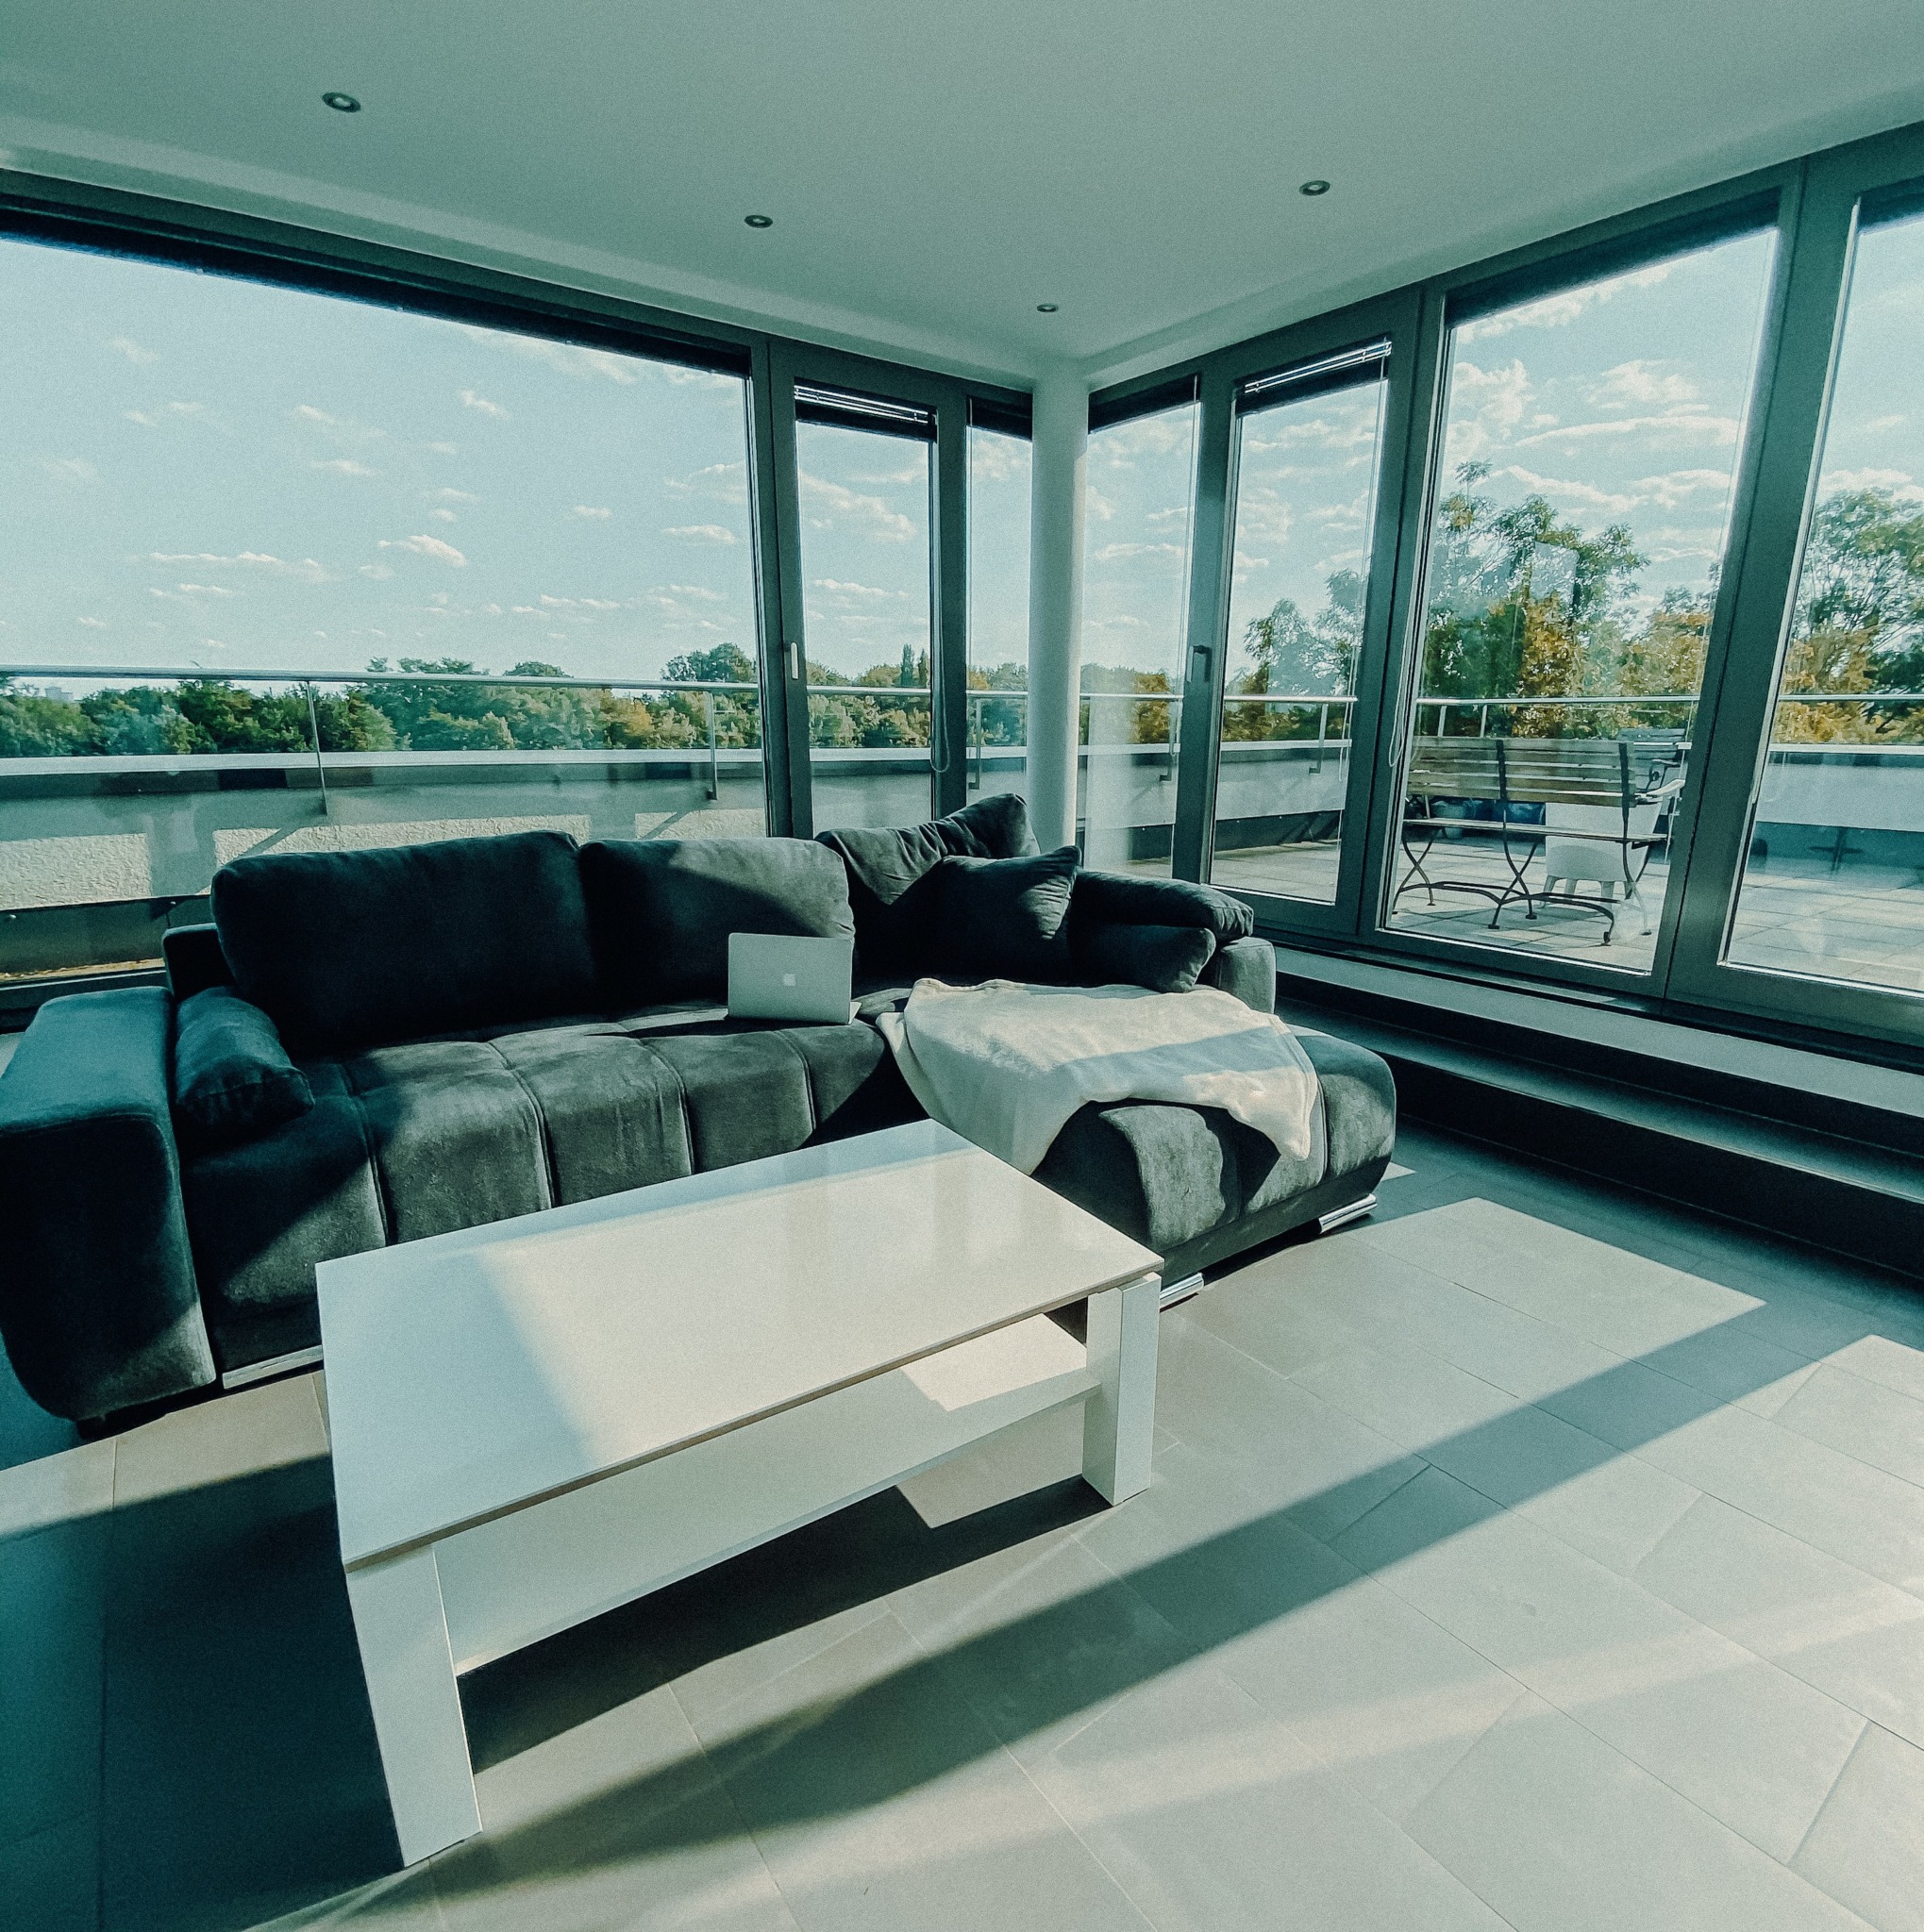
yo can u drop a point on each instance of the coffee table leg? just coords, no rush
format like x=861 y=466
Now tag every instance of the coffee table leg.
x=1119 y=1421
x=417 y=1709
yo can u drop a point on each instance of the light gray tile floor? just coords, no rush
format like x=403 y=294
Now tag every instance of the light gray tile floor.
x=1529 y=1555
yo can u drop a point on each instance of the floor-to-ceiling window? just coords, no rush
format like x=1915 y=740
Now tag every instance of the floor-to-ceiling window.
x=1833 y=885
x=999 y=478
x=1589 y=450
x=1308 y=443
x=293 y=572
x=1140 y=496
x=864 y=478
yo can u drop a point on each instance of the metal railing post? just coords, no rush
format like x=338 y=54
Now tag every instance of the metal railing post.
x=314 y=732
x=715 y=775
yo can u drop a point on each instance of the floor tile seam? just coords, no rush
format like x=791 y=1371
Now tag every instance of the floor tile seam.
x=1857 y=1570
x=726 y=1792
x=1576 y=1717
x=1089 y=1851
x=1850 y=1758
x=1770 y=1422
x=1697 y=1625
x=1091 y=1714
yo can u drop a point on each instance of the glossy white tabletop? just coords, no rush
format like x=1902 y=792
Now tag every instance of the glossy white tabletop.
x=477 y=1372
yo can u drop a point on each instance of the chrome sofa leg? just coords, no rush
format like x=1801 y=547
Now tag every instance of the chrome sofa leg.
x=1340 y=1217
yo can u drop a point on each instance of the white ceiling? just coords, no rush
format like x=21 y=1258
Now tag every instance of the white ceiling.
x=935 y=171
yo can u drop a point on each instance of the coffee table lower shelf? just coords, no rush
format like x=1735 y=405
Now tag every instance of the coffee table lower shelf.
x=427 y=1613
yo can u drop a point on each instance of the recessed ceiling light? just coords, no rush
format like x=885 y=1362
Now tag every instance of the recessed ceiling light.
x=1313 y=188
x=1046 y=308
x=760 y=221
x=343 y=104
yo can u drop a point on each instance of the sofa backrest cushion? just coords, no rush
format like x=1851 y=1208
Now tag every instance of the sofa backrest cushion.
x=1124 y=899
x=349 y=949
x=1004 y=918
x=661 y=909
x=889 y=883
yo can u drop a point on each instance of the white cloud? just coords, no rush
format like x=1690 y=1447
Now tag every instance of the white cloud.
x=343 y=466
x=838 y=587
x=1162 y=434
x=1640 y=385
x=453 y=496
x=306 y=412
x=307 y=571
x=1681 y=421
x=432 y=547
x=1879 y=425
x=70 y=469
x=569 y=358
x=1560 y=309
x=1111 y=553
x=715 y=482
x=442 y=449
x=125 y=345
x=871 y=516
x=700 y=533
x=700 y=593
x=379 y=572
x=442 y=516
x=1485 y=405
x=471 y=399
x=1896 y=481
x=92 y=622
x=152 y=419
x=578 y=603
x=1609 y=502
x=590 y=511
x=995 y=458
x=1667 y=491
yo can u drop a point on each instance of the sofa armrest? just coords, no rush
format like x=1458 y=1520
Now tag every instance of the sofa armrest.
x=194 y=959
x=1248 y=969
x=98 y=1304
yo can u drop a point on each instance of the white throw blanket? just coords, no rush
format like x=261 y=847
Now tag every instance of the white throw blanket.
x=1006 y=1065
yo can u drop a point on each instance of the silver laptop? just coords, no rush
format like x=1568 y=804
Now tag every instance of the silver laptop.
x=775 y=976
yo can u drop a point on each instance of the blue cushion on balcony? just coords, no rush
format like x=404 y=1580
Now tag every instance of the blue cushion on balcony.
x=890 y=888
x=347 y=949
x=232 y=1078
x=661 y=909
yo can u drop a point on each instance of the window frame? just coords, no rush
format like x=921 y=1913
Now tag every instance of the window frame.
x=249 y=248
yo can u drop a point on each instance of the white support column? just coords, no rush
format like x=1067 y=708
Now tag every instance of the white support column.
x=1055 y=601
x=1119 y=1419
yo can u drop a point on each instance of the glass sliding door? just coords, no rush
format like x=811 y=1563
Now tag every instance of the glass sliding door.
x=865 y=483
x=1136 y=584
x=1308 y=450
x=1589 y=455
x=1833 y=880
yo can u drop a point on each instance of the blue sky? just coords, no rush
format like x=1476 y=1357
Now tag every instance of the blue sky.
x=1876 y=436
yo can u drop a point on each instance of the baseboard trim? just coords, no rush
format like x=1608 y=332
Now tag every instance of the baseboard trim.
x=274 y=1365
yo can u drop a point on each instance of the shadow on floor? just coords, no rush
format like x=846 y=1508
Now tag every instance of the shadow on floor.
x=240 y=1773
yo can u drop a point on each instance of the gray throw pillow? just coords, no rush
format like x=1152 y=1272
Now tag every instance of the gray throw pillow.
x=1164 y=958
x=1004 y=918
x=232 y=1078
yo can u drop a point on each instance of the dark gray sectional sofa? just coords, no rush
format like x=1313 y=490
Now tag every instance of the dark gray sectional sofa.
x=371 y=1047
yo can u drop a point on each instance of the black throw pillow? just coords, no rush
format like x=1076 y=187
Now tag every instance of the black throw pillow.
x=1164 y=958
x=232 y=1078
x=1004 y=918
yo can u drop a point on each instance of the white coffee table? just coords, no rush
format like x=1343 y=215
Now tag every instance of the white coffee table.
x=536 y=1421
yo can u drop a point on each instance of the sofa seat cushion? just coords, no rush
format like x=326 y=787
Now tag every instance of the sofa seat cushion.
x=1167 y=1176
x=349 y=949
x=661 y=909
x=409 y=1140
